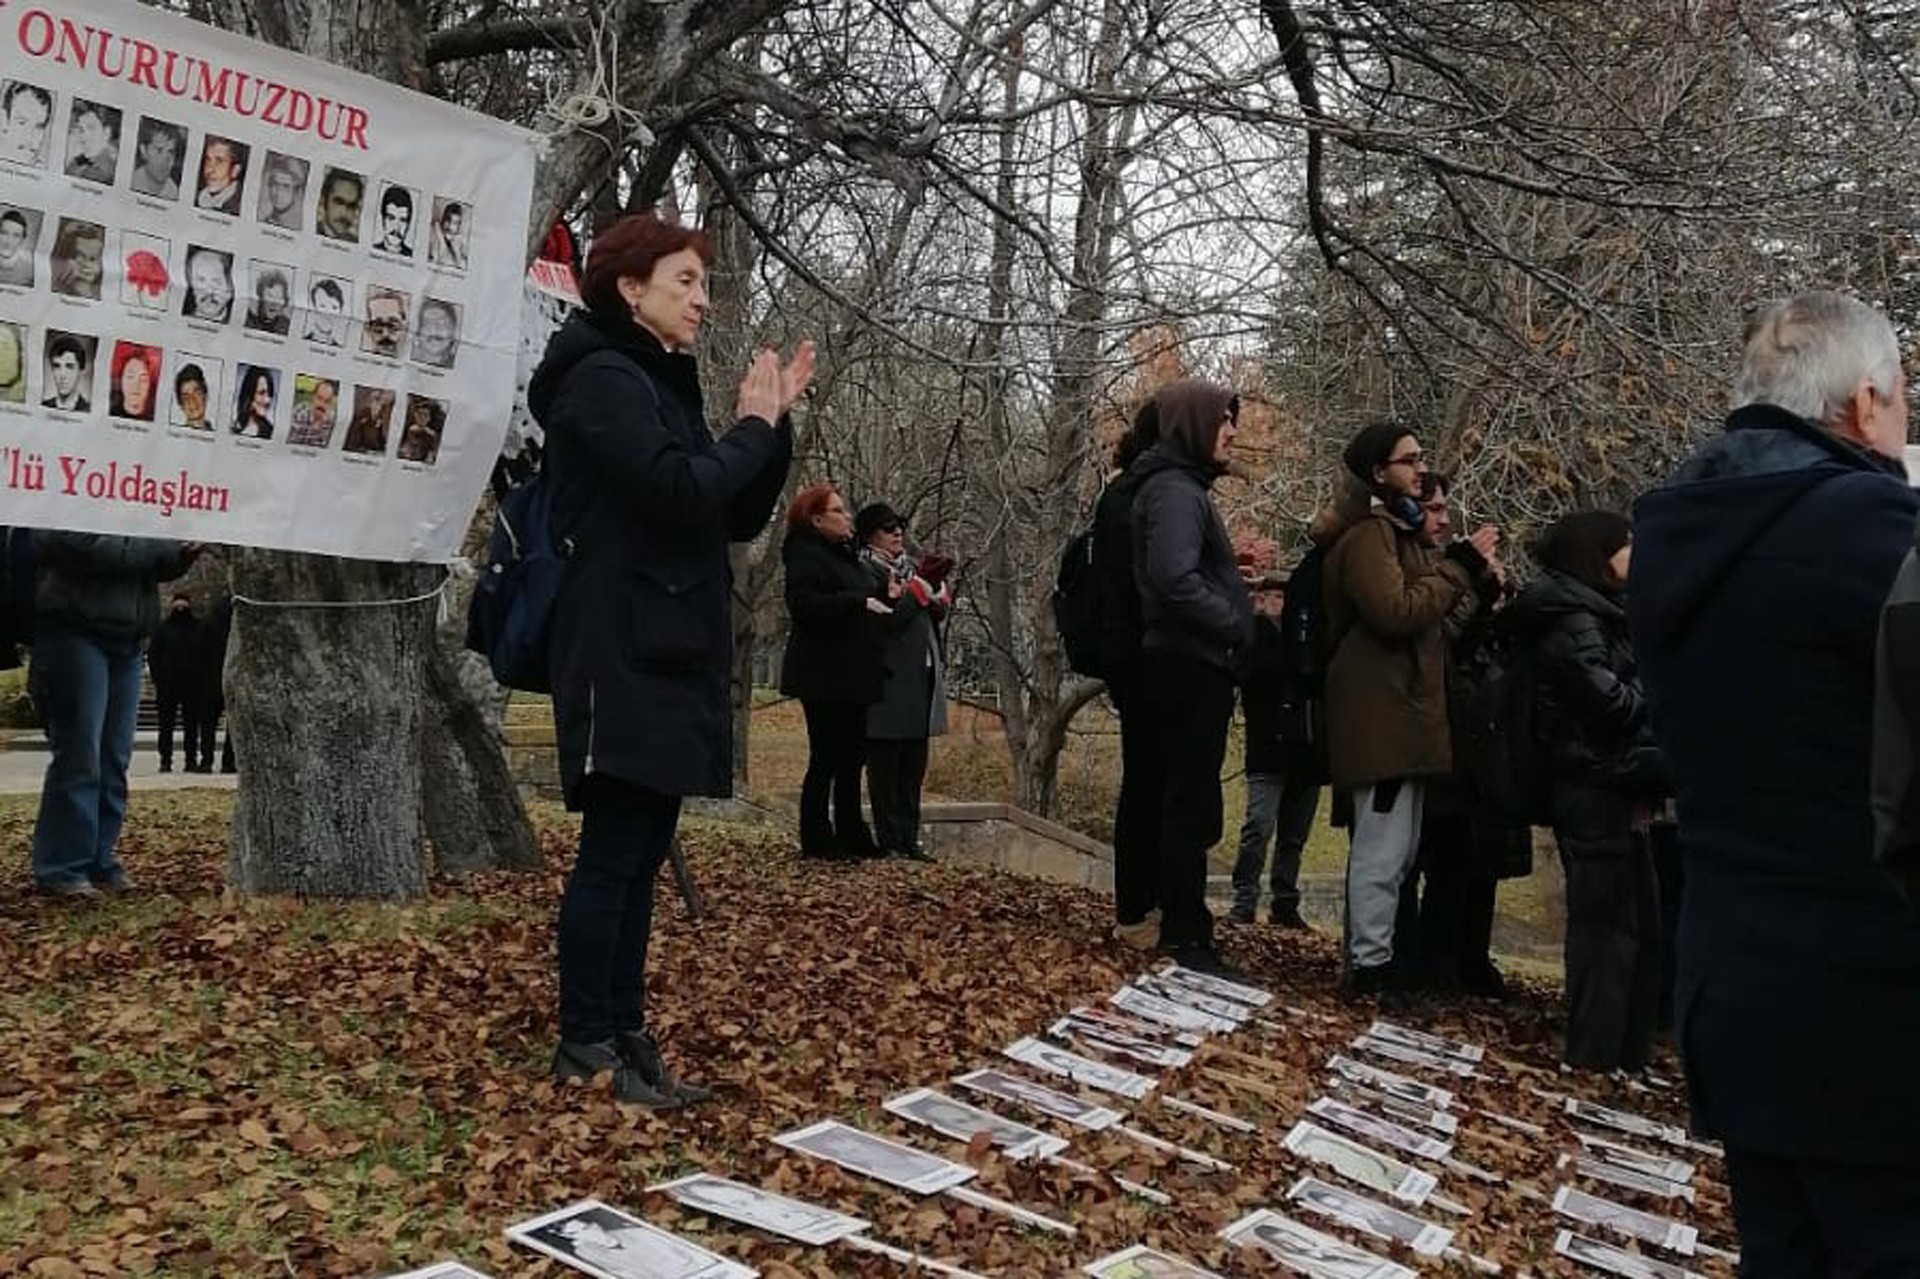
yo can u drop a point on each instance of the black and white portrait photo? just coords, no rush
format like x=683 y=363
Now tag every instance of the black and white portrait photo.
x=26 y=110
x=1386 y=1081
x=93 y=141
x=450 y=234
x=223 y=173
x=1383 y=1221
x=610 y=1244
x=394 y=231
x=1307 y=1251
x=749 y=1205
x=1024 y=1092
x=1359 y=1164
x=1615 y=1260
x=1082 y=1070
x=159 y=155
x=1381 y=1132
x=961 y=1121
x=283 y=191
x=19 y=235
x=876 y=1157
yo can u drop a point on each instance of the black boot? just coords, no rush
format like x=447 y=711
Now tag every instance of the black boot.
x=575 y=1063
x=639 y=1050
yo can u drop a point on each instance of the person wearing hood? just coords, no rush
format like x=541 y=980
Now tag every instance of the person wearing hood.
x=1197 y=633
x=913 y=707
x=171 y=657
x=1760 y=570
x=1591 y=719
x=1388 y=599
x=645 y=503
x=834 y=666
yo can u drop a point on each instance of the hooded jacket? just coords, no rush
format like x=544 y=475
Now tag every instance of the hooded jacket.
x=1192 y=599
x=1388 y=599
x=647 y=501
x=1759 y=574
x=102 y=583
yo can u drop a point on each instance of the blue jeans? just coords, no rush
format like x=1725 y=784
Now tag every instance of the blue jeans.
x=1277 y=806
x=88 y=689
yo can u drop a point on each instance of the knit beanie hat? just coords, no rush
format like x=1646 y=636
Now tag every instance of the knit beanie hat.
x=1371 y=449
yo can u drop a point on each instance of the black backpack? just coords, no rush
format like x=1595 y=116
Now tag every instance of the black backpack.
x=16 y=594
x=1077 y=611
x=509 y=620
x=1496 y=729
x=1306 y=650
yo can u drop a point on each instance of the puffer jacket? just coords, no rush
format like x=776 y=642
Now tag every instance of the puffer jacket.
x=1192 y=600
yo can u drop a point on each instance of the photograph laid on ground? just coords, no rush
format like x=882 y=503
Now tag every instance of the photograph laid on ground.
x=1361 y=1165
x=876 y=1157
x=1621 y=1121
x=1591 y=1210
x=1626 y=1178
x=1351 y=1208
x=1082 y=1070
x=1220 y=987
x=1024 y=1092
x=1142 y=1262
x=1395 y=1051
x=961 y=1121
x=1412 y=1091
x=1227 y=1010
x=1158 y=1008
x=1133 y=1025
x=1428 y=1043
x=608 y=1243
x=1664 y=1167
x=445 y=1270
x=1307 y=1251
x=1411 y=1113
x=749 y=1205
x=1380 y=1131
x=1618 y=1261
x=1105 y=1038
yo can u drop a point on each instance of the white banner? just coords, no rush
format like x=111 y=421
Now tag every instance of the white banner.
x=247 y=297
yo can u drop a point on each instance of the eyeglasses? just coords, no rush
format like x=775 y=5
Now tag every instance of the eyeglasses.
x=1415 y=460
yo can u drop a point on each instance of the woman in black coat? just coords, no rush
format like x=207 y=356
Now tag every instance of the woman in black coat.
x=1591 y=720
x=1197 y=638
x=833 y=664
x=645 y=501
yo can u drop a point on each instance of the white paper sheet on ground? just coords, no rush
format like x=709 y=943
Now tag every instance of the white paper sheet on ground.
x=960 y=1120
x=1082 y=1070
x=1613 y=1260
x=607 y=1243
x=1591 y=1210
x=1025 y=1092
x=877 y=1157
x=1621 y=1121
x=1302 y=1248
x=752 y=1206
x=1142 y=1262
x=1238 y=992
x=1384 y=1132
x=1428 y=1042
x=1193 y=997
x=1626 y=1178
x=1380 y=1220
x=1624 y=1156
x=1394 y=1108
x=1411 y=1090
x=1102 y=1038
x=1406 y=1056
x=1132 y=1025
x=1144 y=1003
x=1360 y=1164
x=445 y=1270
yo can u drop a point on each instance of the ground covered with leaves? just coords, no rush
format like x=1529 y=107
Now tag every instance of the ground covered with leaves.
x=197 y=1086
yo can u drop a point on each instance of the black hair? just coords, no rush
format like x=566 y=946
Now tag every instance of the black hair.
x=1579 y=545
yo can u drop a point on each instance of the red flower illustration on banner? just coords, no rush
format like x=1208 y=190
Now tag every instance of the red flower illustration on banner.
x=147 y=274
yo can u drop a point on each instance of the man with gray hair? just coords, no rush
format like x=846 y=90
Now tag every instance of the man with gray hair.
x=1759 y=572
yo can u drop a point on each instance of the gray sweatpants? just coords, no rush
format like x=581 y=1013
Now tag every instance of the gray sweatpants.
x=1383 y=848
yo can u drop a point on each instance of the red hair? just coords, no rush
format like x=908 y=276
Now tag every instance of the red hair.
x=630 y=247
x=807 y=505
x=125 y=353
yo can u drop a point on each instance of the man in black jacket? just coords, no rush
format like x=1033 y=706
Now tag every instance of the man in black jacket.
x=1283 y=793
x=172 y=658
x=1759 y=574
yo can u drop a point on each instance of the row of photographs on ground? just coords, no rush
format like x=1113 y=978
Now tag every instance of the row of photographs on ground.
x=149 y=385
x=289 y=193
x=1158 y=1021
x=210 y=287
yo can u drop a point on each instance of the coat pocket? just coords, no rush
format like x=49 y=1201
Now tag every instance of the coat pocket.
x=676 y=620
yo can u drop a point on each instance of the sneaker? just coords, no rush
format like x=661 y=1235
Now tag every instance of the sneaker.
x=640 y=1050
x=115 y=884
x=67 y=889
x=578 y=1063
x=1240 y=914
x=1144 y=935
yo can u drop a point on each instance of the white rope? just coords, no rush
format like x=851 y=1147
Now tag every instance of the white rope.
x=439 y=592
x=588 y=108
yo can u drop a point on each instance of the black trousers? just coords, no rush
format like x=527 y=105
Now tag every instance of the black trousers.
x=210 y=713
x=830 y=817
x=606 y=913
x=896 y=773
x=176 y=707
x=1613 y=929
x=1814 y=1219
x=1136 y=818
x=1190 y=705
x=1444 y=930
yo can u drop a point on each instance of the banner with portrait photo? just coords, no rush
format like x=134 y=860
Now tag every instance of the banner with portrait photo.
x=247 y=297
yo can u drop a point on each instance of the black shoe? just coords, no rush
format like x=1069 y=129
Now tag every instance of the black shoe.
x=1367 y=983
x=1240 y=915
x=578 y=1063
x=166 y=766
x=1289 y=918
x=1202 y=957
x=1485 y=983
x=639 y=1050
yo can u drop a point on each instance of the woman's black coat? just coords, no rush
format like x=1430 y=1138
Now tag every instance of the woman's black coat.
x=833 y=647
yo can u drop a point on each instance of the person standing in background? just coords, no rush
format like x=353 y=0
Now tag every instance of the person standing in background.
x=171 y=658
x=1283 y=793
x=913 y=706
